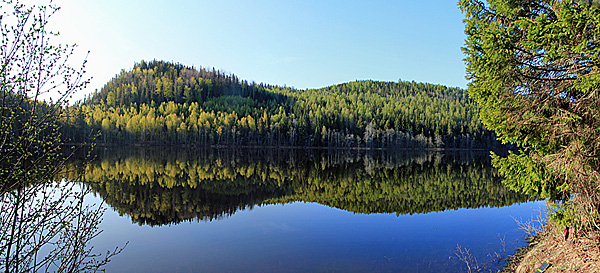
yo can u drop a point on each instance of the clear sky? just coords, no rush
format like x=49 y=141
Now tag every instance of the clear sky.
x=305 y=44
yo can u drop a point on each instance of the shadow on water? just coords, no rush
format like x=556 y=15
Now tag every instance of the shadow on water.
x=166 y=186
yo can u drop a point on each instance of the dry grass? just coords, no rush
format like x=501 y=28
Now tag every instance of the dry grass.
x=580 y=254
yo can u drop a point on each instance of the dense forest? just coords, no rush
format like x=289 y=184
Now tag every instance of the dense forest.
x=156 y=187
x=164 y=103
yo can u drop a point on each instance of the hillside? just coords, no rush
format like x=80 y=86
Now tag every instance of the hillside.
x=164 y=103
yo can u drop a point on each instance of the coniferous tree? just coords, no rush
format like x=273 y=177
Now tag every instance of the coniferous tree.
x=361 y=114
x=534 y=67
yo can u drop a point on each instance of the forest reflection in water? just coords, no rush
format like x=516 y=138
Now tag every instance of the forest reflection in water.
x=164 y=186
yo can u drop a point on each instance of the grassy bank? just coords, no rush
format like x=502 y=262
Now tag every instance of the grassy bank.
x=577 y=253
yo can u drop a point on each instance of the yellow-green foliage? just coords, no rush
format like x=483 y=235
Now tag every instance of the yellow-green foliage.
x=154 y=187
x=160 y=102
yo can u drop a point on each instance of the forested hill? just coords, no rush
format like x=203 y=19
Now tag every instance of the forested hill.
x=164 y=103
x=159 y=81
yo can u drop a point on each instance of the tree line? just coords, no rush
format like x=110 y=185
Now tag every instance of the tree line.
x=159 y=102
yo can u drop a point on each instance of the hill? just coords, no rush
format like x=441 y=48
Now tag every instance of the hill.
x=159 y=102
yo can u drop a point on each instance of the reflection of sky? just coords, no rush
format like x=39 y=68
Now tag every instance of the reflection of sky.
x=307 y=237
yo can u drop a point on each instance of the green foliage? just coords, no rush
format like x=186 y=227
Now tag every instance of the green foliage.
x=30 y=142
x=143 y=106
x=157 y=187
x=523 y=174
x=534 y=68
x=562 y=213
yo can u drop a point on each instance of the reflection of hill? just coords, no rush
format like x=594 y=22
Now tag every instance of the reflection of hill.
x=416 y=189
x=155 y=187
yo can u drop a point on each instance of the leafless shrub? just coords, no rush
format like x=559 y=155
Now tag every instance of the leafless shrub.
x=464 y=255
x=534 y=226
x=48 y=228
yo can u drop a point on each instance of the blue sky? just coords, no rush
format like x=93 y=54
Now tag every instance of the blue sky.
x=305 y=44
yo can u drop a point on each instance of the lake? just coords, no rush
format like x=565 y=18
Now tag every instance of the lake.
x=282 y=210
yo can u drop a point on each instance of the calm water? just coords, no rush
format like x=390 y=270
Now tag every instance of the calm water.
x=299 y=211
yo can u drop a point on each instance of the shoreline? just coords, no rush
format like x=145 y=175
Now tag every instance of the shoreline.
x=153 y=145
x=513 y=262
x=579 y=254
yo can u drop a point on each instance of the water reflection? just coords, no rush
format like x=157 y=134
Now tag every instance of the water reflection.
x=158 y=187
